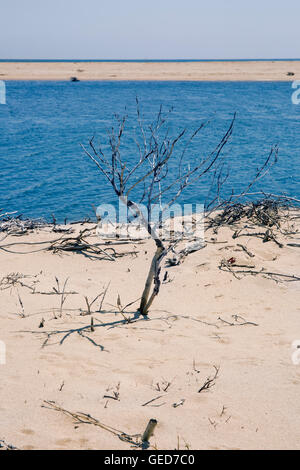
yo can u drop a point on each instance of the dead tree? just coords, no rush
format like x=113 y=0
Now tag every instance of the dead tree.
x=162 y=171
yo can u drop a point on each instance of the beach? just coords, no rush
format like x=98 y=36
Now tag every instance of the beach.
x=149 y=228
x=212 y=363
x=154 y=71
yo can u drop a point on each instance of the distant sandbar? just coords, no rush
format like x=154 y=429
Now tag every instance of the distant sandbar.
x=156 y=71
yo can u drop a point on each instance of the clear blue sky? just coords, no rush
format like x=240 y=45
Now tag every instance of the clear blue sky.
x=149 y=29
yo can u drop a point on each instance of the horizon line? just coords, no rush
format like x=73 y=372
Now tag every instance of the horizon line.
x=150 y=60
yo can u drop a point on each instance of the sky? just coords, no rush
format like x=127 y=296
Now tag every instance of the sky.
x=149 y=29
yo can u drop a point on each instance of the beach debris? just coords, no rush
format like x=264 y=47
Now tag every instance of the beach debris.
x=163 y=386
x=266 y=212
x=16 y=279
x=116 y=393
x=68 y=332
x=22 y=314
x=83 y=335
x=277 y=277
x=186 y=444
x=80 y=244
x=152 y=400
x=179 y=403
x=122 y=309
x=194 y=367
x=210 y=381
x=178 y=257
x=148 y=433
x=5 y=446
x=82 y=330
x=77 y=243
x=220 y=418
x=238 y=321
x=245 y=249
x=90 y=303
x=16 y=225
x=62 y=292
x=213 y=423
x=60 y=229
x=136 y=440
x=266 y=236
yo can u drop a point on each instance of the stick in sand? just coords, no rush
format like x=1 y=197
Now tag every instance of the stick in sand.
x=149 y=430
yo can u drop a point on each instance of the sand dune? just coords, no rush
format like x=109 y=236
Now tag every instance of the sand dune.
x=203 y=317
x=185 y=71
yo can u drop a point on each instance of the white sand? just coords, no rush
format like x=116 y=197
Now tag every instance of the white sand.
x=255 y=400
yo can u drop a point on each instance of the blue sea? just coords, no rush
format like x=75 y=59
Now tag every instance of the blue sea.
x=44 y=171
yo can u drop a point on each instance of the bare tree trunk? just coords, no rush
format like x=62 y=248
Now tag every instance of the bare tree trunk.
x=153 y=276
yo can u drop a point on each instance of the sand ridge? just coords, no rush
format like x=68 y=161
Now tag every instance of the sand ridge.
x=173 y=71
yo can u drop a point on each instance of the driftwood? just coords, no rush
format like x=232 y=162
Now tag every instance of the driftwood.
x=148 y=432
x=179 y=256
x=265 y=212
x=82 y=418
x=227 y=267
x=15 y=225
x=75 y=244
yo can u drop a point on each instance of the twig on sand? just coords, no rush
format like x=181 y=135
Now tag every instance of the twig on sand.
x=21 y=305
x=268 y=274
x=245 y=249
x=122 y=309
x=266 y=236
x=5 y=446
x=15 y=279
x=83 y=335
x=116 y=393
x=66 y=333
x=62 y=292
x=188 y=317
x=210 y=382
x=87 y=328
x=152 y=400
x=179 y=403
x=90 y=303
x=103 y=298
x=239 y=321
x=83 y=418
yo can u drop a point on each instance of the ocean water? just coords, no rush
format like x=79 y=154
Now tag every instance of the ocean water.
x=44 y=171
